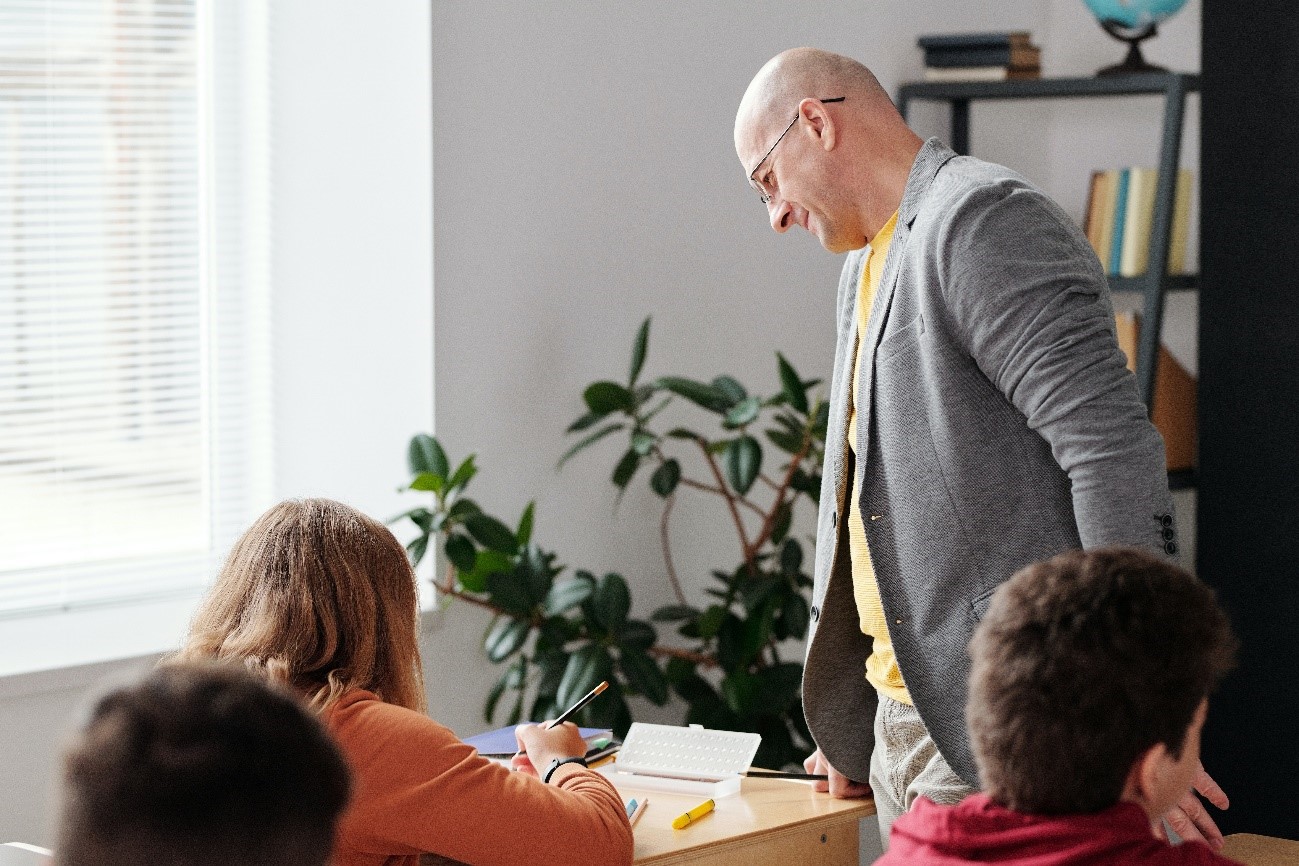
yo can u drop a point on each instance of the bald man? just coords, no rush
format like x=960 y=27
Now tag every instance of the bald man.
x=982 y=417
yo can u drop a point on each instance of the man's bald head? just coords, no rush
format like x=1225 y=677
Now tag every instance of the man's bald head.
x=800 y=73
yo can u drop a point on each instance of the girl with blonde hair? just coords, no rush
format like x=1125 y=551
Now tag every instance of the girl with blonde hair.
x=321 y=598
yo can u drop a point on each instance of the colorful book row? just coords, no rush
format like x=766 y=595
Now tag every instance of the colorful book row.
x=1119 y=215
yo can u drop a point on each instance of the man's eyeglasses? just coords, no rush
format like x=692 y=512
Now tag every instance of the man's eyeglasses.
x=764 y=191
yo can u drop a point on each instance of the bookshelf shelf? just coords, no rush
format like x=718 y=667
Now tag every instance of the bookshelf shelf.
x=1152 y=285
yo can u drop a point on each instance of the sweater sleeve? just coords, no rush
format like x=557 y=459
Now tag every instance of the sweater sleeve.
x=417 y=788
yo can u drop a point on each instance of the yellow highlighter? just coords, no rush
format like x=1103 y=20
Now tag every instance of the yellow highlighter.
x=680 y=822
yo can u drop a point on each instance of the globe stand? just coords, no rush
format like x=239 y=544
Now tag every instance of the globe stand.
x=1134 y=63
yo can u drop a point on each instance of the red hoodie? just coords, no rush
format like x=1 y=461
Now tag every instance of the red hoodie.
x=980 y=831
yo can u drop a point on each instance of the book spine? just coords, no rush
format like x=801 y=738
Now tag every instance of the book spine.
x=1105 y=212
x=1139 y=220
x=1120 y=215
x=1091 y=216
x=945 y=58
x=974 y=40
x=1181 y=222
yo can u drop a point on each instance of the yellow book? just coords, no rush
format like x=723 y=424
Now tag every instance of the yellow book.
x=1109 y=204
x=1181 y=222
x=1092 y=213
x=1136 y=226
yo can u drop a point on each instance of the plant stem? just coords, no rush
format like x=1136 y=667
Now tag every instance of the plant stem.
x=667 y=550
x=708 y=488
x=449 y=588
x=704 y=659
x=770 y=522
x=735 y=512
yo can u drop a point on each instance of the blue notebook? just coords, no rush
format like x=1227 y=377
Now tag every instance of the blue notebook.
x=501 y=742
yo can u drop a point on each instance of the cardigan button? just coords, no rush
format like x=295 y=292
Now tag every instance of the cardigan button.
x=816 y=614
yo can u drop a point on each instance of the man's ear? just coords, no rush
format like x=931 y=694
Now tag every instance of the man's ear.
x=1143 y=783
x=814 y=120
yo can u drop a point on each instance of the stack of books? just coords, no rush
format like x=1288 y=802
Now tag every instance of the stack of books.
x=980 y=57
x=1120 y=210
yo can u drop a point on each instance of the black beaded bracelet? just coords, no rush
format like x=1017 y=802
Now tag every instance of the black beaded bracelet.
x=559 y=762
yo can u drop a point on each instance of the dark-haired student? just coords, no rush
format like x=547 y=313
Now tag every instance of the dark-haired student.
x=200 y=765
x=322 y=599
x=1089 y=689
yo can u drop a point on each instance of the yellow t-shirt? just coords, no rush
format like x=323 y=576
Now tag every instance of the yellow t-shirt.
x=882 y=665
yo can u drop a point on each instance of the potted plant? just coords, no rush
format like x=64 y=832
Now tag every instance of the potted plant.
x=558 y=635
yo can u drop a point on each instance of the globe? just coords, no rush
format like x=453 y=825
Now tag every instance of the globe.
x=1134 y=14
x=1131 y=21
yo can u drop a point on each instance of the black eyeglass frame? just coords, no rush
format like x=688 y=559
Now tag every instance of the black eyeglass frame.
x=753 y=180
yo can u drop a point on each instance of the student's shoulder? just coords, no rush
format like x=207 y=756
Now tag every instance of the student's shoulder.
x=361 y=717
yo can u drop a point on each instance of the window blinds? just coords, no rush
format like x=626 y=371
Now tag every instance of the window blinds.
x=132 y=296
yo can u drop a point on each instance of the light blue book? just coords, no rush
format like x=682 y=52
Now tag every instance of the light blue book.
x=1120 y=214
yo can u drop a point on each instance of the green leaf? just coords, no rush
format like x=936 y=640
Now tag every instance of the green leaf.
x=698 y=393
x=605 y=397
x=792 y=385
x=787 y=442
x=645 y=676
x=516 y=714
x=510 y=592
x=638 y=350
x=742 y=413
x=626 y=468
x=552 y=666
x=460 y=552
x=791 y=557
x=743 y=462
x=505 y=637
x=683 y=433
x=637 y=634
x=806 y=482
x=486 y=563
x=568 y=594
x=642 y=443
x=491 y=533
x=612 y=601
x=417 y=548
x=740 y=689
x=462 y=508
x=778 y=687
x=586 y=667
x=429 y=482
x=731 y=651
x=523 y=534
x=587 y=420
x=511 y=679
x=426 y=455
x=674 y=612
x=590 y=440
x=711 y=621
x=665 y=479
x=733 y=390
x=464 y=472
x=796 y=615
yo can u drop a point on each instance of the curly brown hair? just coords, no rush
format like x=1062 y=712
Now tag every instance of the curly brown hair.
x=1081 y=664
x=201 y=765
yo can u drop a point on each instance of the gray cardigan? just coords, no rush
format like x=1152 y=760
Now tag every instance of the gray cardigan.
x=1001 y=426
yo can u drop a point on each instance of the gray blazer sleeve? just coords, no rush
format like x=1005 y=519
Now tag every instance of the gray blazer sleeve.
x=1037 y=320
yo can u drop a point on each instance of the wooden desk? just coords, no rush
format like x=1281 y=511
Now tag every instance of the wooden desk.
x=1261 y=850
x=771 y=822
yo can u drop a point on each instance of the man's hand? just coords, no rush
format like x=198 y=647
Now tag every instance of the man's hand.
x=839 y=785
x=1189 y=819
x=539 y=746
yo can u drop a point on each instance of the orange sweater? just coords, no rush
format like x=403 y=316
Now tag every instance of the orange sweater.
x=416 y=788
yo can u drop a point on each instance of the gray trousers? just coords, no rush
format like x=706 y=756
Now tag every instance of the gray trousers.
x=906 y=764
